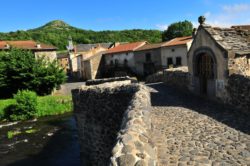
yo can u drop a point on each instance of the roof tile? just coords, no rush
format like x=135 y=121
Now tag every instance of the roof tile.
x=126 y=47
x=27 y=44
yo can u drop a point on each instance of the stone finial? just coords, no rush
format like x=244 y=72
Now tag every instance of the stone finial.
x=201 y=20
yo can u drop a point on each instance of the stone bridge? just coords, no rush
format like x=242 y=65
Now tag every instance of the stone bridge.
x=132 y=125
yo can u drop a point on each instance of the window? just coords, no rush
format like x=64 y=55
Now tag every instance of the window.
x=173 y=50
x=148 y=57
x=111 y=63
x=116 y=62
x=170 y=62
x=178 y=61
x=125 y=62
x=127 y=53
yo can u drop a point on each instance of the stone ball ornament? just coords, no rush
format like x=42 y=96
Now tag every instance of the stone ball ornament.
x=201 y=20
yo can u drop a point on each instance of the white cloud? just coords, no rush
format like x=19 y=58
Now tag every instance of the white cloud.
x=162 y=27
x=207 y=14
x=229 y=15
x=236 y=8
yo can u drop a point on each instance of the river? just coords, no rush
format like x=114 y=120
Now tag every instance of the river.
x=50 y=141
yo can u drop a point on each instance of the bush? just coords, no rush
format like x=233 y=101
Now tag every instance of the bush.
x=31 y=73
x=24 y=108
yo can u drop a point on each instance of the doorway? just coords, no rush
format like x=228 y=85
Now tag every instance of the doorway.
x=206 y=73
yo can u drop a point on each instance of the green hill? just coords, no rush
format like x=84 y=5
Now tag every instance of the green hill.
x=57 y=33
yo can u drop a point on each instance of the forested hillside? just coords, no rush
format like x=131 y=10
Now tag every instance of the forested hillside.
x=57 y=33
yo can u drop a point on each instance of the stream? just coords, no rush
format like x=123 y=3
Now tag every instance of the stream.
x=50 y=141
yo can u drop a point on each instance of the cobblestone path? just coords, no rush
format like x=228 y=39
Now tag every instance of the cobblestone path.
x=188 y=130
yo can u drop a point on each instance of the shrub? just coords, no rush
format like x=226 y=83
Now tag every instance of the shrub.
x=32 y=73
x=24 y=108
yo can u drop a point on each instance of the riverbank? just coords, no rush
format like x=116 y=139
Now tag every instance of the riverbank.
x=53 y=141
x=47 y=105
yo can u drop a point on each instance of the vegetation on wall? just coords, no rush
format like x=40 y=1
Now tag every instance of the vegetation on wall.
x=57 y=33
x=20 y=70
x=178 y=29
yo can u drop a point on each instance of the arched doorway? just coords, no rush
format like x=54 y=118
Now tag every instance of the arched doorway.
x=206 y=73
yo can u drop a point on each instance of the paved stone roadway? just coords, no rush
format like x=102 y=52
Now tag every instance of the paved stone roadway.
x=188 y=130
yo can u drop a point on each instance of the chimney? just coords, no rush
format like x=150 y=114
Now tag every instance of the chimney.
x=116 y=44
x=7 y=46
x=38 y=45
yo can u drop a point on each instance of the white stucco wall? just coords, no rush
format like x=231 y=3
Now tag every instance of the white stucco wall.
x=179 y=51
x=121 y=57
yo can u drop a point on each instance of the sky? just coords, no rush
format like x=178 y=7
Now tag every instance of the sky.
x=121 y=14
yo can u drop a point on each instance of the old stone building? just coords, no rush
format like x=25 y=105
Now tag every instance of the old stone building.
x=174 y=52
x=151 y=58
x=39 y=49
x=63 y=61
x=122 y=56
x=80 y=54
x=93 y=66
x=148 y=59
x=215 y=55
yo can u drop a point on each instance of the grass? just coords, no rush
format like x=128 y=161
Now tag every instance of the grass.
x=47 y=105
x=11 y=134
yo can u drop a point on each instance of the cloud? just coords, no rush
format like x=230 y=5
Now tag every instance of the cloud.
x=162 y=27
x=229 y=15
x=236 y=8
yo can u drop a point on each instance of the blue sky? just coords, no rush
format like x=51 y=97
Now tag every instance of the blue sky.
x=120 y=14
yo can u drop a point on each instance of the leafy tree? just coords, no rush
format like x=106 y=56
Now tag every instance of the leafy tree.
x=178 y=29
x=20 y=70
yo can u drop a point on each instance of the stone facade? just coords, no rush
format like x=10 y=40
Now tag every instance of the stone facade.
x=147 y=61
x=92 y=66
x=49 y=55
x=215 y=54
x=114 y=123
x=175 y=52
x=120 y=58
x=84 y=64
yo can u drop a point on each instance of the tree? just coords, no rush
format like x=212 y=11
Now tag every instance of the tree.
x=20 y=70
x=178 y=29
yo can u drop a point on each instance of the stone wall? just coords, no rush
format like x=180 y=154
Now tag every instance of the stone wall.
x=239 y=65
x=238 y=89
x=157 y=77
x=178 y=77
x=114 y=123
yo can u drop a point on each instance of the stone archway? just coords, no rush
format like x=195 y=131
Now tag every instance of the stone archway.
x=205 y=70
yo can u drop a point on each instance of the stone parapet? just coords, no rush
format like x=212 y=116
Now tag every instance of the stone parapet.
x=114 y=122
x=105 y=80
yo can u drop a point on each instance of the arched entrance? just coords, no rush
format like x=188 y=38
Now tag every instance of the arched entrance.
x=206 y=74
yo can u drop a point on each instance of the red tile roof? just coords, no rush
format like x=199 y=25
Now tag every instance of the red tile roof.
x=151 y=46
x=125 y=47
x=28 y=44
x=178 y=41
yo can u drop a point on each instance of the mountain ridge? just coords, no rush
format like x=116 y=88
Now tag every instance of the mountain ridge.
x=57 y=32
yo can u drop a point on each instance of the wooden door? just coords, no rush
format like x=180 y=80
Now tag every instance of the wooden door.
x=205 y=71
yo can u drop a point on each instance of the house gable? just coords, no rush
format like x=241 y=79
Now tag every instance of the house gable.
x=204 y=42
